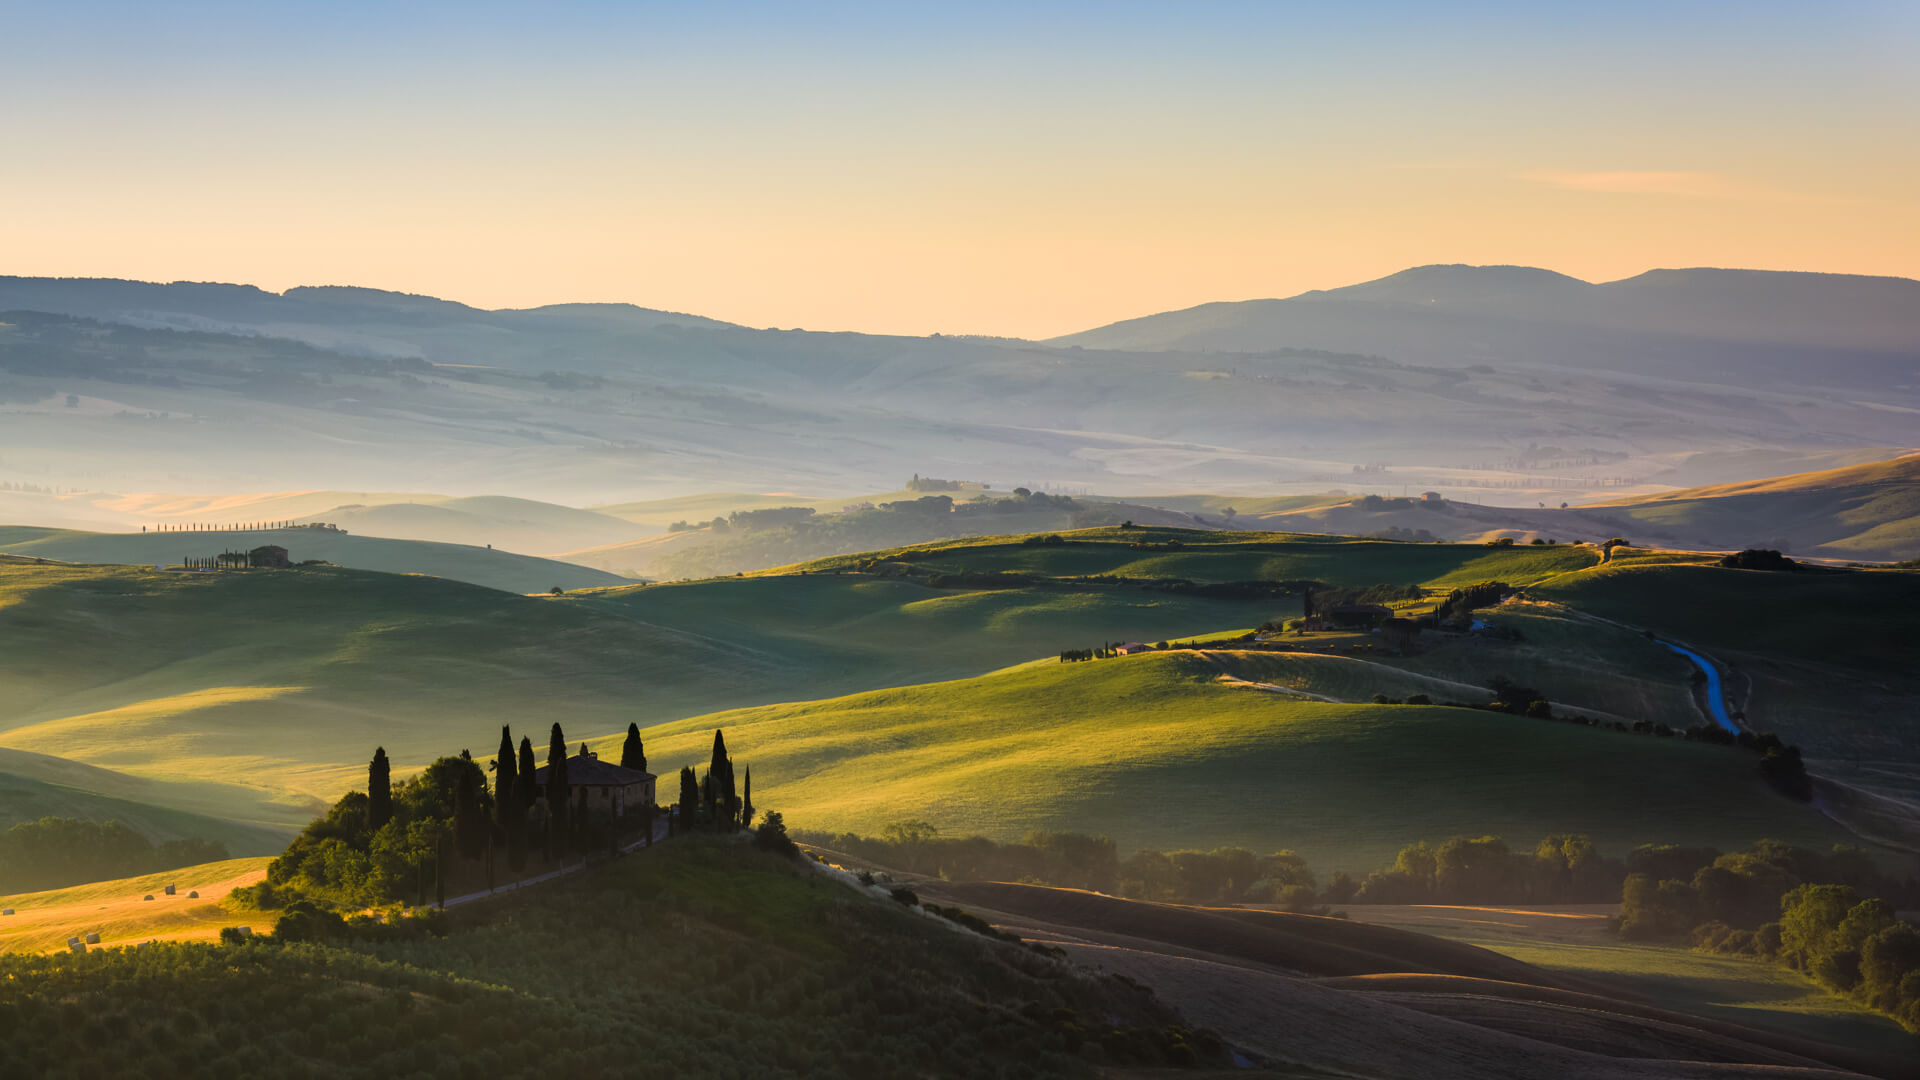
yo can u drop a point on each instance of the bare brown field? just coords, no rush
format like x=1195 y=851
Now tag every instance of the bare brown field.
x=1356 y=999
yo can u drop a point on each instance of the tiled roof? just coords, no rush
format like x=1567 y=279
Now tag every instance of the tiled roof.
x=591 y=771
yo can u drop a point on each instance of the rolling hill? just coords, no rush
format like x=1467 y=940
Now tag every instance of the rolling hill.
x=475 y=565
x=1155 y=751
x=283 y=682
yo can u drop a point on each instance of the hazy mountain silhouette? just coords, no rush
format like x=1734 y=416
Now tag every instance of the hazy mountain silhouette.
x=1697 y=320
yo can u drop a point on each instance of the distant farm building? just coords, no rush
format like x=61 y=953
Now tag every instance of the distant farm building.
x=600 y=787
x=268 y=556
x=1132 y=647
x=1432 y=497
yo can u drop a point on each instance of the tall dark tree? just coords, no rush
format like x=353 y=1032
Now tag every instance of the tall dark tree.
x=469 y=822
x=379 y=791
x=723 y=796
x=509 y=802
x=557 y=788
x=689 y=797
x=505 y=799
x=632 y=754
x=746 y=800
x=529 y=790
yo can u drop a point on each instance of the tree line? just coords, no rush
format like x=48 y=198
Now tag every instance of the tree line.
x=55 y=852
x=1827 y=915
x=1079 y=861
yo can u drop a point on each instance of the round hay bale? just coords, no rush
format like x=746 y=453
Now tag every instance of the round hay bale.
x=149 y=896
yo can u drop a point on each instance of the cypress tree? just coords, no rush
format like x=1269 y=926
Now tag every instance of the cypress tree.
x=724 y=800
x=469 y=824
x=632 y=754
x=557 y=790
x=379 y=791
x=504 y=797
x=528 y=788
x=689 y=797
x=746 y=800
x=509 y=801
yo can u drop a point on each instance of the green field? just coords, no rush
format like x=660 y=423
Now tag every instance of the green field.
x=1153 y=751
x=459 y=562
x=277 y=686
x=269 y=690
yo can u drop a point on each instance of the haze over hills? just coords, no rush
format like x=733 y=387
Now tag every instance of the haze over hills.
x=1512 y=383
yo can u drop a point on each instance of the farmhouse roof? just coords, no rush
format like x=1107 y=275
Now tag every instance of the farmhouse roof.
x=585 y=770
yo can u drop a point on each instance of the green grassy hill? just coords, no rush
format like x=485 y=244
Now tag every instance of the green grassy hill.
x=283 y=682
x=1822 y=657
x=1156 y=752
x=477 y=565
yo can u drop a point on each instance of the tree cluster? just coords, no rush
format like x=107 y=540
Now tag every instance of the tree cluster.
x=55 y=852
x=716 y=800
x=1563 y=868
x=1829 y=915
x=1760 y=559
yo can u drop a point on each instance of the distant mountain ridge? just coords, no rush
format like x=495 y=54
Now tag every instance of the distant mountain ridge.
x=1759 y=307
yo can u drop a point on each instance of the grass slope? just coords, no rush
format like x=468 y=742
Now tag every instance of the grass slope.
x=25 y=799
x=1155 y=752
x=268 y=685
x=476 y=565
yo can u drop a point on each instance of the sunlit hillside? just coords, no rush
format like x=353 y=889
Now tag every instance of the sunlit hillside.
x=1158 y=751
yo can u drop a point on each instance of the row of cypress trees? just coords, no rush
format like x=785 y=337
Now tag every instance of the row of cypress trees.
x=713 y=800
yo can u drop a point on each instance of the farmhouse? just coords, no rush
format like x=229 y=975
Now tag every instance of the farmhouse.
x=1131 y=647
x=595 y=786
x=272 y=556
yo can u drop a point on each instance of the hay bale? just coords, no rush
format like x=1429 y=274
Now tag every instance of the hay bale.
x=194 y=895
x=149 y=896
x=78 y=947
x=169 y=890
x=6 y=911
x=72 y=941
x=93 y=939
x=246 y=931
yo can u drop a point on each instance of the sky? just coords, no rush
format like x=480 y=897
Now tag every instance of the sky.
x=1027 y=169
